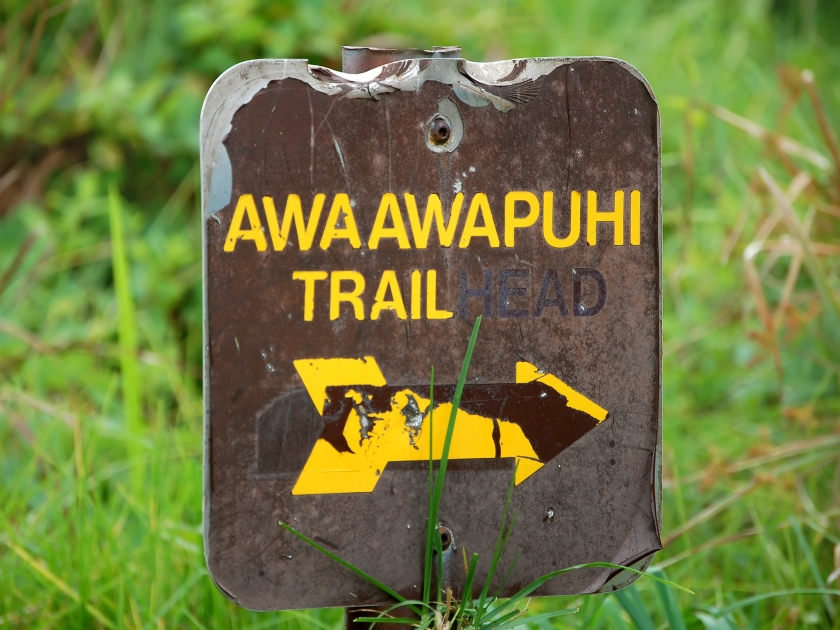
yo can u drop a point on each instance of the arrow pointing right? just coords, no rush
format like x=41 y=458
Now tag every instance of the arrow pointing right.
x=369 y=424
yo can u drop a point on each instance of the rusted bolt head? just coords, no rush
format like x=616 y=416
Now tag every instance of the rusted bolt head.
x=439 y=131
x=445 y=537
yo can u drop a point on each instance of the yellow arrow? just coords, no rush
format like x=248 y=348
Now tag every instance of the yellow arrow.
x=399 y=430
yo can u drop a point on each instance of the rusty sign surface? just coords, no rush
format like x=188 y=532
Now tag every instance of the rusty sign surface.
x=355 y=225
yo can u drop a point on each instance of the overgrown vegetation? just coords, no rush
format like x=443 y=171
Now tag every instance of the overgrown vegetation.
x=100 y=313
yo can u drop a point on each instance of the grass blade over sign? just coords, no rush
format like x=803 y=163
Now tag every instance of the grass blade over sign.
x=437 y=492
x=501 y=543
x=508 y=574
x=466 y=598
x=430 y=525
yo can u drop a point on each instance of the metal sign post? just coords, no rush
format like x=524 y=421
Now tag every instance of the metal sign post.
x=355 y=224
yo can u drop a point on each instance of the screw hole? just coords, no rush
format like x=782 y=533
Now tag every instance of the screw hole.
x=445 y=538
x=439 y=131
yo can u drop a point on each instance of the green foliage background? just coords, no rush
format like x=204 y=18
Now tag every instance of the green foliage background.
x=100 y=311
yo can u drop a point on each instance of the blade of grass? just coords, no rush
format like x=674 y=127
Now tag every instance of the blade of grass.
x=193 y=619
x=431 y=526
x=438 y=547
x=749 y=601
x=631 y=601
x=796 y=578
x=761 y=306
x=13 y=267
x=669 y=604
x=437 y=495
x=537 y=618
x=785 y=144
x=713 y=623
x=812 y=563
x=507 y=575
x=812 y=262
x=613 y=613
x=593 y=609
x=467 y=591
x=501 y=542
x=525 y=592
x=381 y=618
x=374 y=621
x=126 y=324
x=787 y=290
x=427 y=623
x=704 y=515
x=516 y=613
x=790 y=449
x=40 y=567
x=354 y=569
x=822 y=119
x=180 y=592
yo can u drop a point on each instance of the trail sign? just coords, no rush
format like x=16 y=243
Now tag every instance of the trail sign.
x=355 y=224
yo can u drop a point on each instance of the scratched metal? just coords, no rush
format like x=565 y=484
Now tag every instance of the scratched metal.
x=358 y=59
x=275 y=127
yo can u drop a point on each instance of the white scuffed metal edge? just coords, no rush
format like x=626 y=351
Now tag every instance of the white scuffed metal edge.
x=238 y=85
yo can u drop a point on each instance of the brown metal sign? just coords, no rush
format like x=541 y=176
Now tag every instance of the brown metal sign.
x=355 y=225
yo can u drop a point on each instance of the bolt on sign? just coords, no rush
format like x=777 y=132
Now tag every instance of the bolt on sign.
x=355 y=225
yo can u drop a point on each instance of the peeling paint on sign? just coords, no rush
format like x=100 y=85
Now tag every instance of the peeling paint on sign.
x=376 y=425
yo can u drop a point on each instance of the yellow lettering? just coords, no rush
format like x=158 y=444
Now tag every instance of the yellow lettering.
x=512 y=221
x=416 y=279
x=548 y=220
x=471 y=230
x=432 y=311
x=389 y=205
x=635 y=217
x=337 y=296
x=245 y=205
x=309 y=278
x=593 y=217
x=388 y=283
x=341 y=209
x=434 y=212
x=293 y=212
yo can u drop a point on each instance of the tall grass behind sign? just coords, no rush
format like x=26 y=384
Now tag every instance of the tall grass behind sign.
x=355 y=224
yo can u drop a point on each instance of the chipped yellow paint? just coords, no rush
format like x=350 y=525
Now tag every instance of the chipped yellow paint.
x=318 y=374
x=514 y=444
x=389 y=440
x=527 y=372
x=388 y=437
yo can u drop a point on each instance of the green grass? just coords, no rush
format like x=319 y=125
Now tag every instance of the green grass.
x=100 y=308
